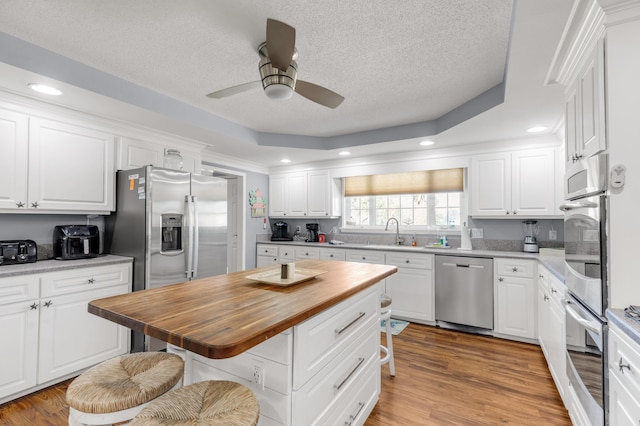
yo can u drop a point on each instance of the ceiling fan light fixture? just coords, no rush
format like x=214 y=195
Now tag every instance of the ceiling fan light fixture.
x=277 y=84
x=279 y=92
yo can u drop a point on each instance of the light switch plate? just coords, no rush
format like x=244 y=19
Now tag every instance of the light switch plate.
x=553 y=235
x=477 y=233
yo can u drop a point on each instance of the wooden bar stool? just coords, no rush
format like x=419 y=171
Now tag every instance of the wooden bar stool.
x=385 y=314
x=117 y=389
x=212 y=402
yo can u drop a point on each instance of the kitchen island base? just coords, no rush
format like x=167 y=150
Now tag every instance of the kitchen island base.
x=325 y=370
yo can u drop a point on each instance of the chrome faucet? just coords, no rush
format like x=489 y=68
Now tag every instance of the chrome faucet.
x=398 y=239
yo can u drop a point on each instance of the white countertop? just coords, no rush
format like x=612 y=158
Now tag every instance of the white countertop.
x=52 y=265
x=555 y=264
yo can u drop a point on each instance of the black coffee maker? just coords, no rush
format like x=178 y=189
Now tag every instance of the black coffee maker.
x=281 y=232
x=312 y=232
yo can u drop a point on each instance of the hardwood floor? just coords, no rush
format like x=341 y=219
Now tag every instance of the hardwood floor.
x=442 y=377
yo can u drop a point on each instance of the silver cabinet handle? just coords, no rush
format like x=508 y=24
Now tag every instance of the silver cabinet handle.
x=508 y=212
x=330 y=255
x=623 y=366
x=352 y=417
x=34 y=306
x=553 y=290
x=48 y=303
x=91 y=280
x=337 y=386
x=545 y=298
x=540 y=276
x=500 y=279
x=407 y=261
x=35 y=205
x=20 y=204
x=339 y=331
x=514 y=269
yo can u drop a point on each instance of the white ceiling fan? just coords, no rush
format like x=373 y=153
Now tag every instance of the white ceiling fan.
x=279 y=71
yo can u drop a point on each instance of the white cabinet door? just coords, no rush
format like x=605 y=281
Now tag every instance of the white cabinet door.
x=14 y=133
x=318 y=193
x=591 y=80
x=277 y=195
x=412 y=287
x=296 y=194
x=72 y=339
x=70 y=167
x=515 y=298
x=135 y=153
x=572 y=109
x=19 y=337
x=533 y=177
x=490 y=185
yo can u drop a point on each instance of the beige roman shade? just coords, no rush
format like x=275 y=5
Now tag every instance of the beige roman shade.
x=445 y=180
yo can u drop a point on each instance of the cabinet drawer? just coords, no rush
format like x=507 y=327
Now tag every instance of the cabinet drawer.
x=333 y=254
x=622 y=351
x=368 y=256
x=318 y=340
x=624 y=409
x=286 y=253
x=19 y=288
x=354 y=407
x=266 y=250
x=410 y=260
x=57 y=283
x=515 y=268
x=307 y=253
x=336 y=380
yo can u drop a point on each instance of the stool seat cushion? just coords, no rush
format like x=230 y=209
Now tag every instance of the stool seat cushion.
x=385 y=300
x=124 y=382
x=212 y=402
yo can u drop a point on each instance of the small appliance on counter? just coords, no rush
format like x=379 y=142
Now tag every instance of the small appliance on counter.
x=530 y=234
x=312 y=234
x=281 y=232
x=76 y=242
x=13 y=252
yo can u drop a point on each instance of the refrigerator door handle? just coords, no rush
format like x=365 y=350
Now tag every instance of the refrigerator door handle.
x=189 y=245
x=196 y=238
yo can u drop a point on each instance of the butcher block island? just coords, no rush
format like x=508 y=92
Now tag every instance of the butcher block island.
x=309 y=351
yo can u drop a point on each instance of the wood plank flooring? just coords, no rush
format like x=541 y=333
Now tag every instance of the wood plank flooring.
x=443 y=377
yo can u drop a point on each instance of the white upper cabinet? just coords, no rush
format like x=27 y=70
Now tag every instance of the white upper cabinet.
x=50 y=167
x=70 y=167
x=522 y=183
x=14 y=133
x=585 y=109
x=134 y=153
x=304 y=194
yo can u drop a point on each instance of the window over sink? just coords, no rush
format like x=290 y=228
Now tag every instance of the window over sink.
x=421 y=201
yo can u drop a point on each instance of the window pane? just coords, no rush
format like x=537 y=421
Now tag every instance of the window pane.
x=441 y=200
x=441 y=217
x=406 y=201
x=406 y=217
x=454 y=217
x=420 y=217
x=382 y=202
x=454 y=199
x=394 y=201
x=381 y=217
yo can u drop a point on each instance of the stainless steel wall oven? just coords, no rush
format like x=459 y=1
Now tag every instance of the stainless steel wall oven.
x=585 y=231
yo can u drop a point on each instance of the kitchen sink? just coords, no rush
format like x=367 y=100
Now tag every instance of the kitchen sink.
x=392 y=247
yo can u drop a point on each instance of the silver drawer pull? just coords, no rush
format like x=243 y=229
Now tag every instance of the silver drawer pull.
x=34 y=306
x=339 y=331
x=348 y=376
x=623 y=366
x=48 y=303
x=352 y=417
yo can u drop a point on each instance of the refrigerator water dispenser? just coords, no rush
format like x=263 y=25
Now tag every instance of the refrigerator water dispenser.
x=172 y=232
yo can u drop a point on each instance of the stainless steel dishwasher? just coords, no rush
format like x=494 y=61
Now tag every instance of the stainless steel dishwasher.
x=464 y=292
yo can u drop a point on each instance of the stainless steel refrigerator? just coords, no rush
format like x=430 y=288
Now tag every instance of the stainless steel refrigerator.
x=174 y=225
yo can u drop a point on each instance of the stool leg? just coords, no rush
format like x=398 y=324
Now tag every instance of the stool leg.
x=392 y=367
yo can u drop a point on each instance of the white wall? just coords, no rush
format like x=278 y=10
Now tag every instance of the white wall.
x=623 y=114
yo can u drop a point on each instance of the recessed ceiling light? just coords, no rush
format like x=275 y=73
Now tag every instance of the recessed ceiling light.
x=536 y=129
x=344 y=153
x=47 y=90
x=427 y=143
x=285 y=160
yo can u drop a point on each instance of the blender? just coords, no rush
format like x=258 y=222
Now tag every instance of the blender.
x=530 y=234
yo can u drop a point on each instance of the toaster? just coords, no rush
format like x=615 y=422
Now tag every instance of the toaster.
x=76 y=241
x=18 y=251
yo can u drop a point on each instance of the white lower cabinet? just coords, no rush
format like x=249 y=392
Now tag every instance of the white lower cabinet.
x=515 y=298
x=266 y=255
x=551 y=327
x=51 y=336
x=412 y=287
x=323 y=371
x=624 y=379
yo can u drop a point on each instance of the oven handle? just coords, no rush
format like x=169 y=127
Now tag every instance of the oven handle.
x=578 y=205
x=576 y=315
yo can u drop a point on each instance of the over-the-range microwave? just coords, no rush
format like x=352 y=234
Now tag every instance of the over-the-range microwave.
x=586 y=177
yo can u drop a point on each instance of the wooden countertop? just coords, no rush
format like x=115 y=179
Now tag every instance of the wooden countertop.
x=225 y=315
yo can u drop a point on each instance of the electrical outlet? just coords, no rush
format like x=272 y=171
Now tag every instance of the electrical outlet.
x=477 y=233
x=553 y=235
x=258 y=374
x=298 y=228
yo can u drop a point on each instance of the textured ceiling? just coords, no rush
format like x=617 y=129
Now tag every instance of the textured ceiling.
x=395 y=63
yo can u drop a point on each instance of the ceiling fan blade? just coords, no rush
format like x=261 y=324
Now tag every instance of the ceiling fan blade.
x=234 y=90
x=318 y=94
x=281 y=43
